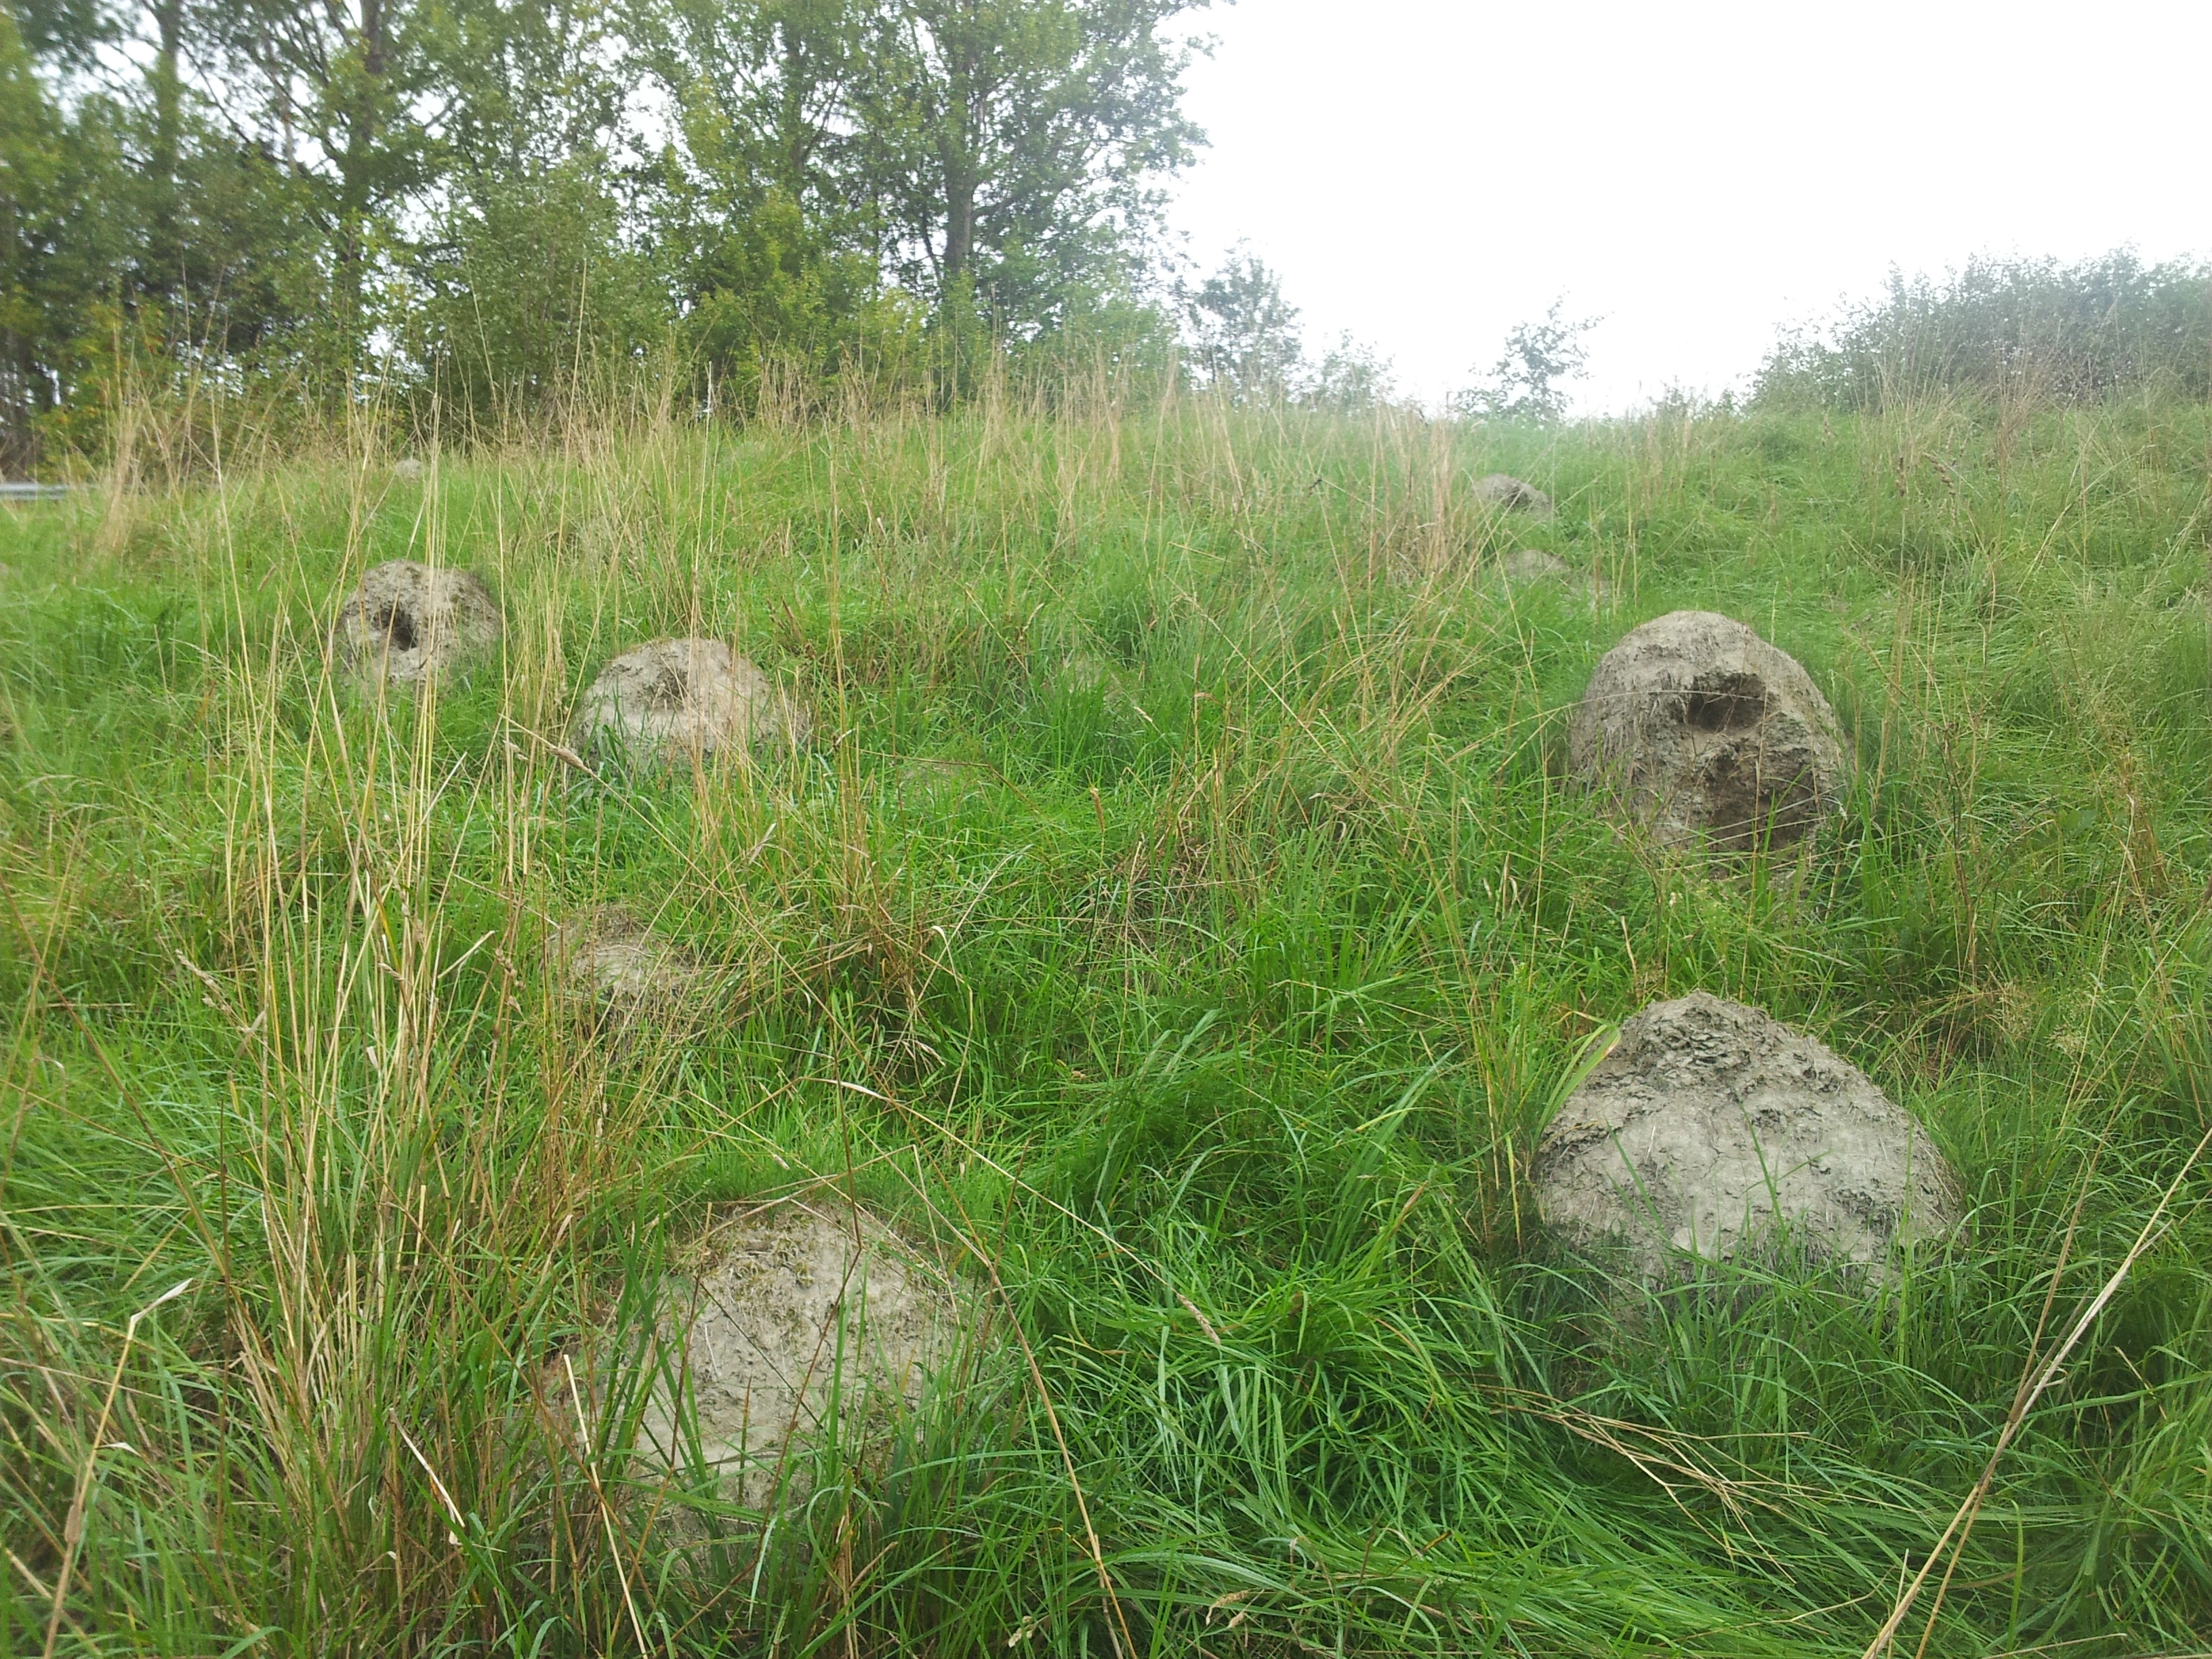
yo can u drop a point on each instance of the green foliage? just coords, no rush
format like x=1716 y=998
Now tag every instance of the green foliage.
x=65 y=32
x=1528 y=382
x=281 y=207
x=2029 y=329
x=533 y=299
x=1180 y=932
x=1351 y=377
x=53 y=241
x=1016 y=144
x=774 y=310
x=1244 y=335
x=355 y=84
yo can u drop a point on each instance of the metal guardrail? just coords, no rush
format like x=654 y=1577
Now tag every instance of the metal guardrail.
x=37 y=492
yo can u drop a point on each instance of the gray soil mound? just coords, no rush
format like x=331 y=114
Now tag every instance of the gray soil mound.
x=608 y=959
x=685 y=700
x=1709 y=1122
x=1503 y=490
x=1527 y=565
x=1703 y=730
x=407 y=621
x=802 y=1312
x=941 y=785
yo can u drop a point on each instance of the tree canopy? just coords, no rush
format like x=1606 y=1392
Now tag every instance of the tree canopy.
x=476 y=199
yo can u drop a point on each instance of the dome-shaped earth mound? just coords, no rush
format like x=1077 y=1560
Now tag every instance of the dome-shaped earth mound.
x=606 y=958
x=407 y=621
x=1710 y=1128
x=802 y=1314
x=1703 y=730
x=685 y=700
x=1503 y=490
x=1526 y=565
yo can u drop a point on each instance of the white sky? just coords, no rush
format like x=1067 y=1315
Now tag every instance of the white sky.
x=1427 y=173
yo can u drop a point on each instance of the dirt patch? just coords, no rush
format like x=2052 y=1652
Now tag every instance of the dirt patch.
x=1712 y=1130
x=803 y=1319
x=408 y=621
x=1705 y=734
x=680 y=700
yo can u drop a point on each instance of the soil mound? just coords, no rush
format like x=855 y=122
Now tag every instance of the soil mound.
x=1503 y=490
x=610 y=960
x=806 y=1319
x=1703 y=730
x=1527 y=565
x=1712 y=1129
x=683 y=700
x=407 y=621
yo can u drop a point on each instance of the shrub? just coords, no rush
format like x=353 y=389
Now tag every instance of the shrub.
x=2033 y=328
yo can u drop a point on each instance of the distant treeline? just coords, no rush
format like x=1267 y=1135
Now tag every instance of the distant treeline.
x=479 y=205
x=2030 y=329
x=472 y=213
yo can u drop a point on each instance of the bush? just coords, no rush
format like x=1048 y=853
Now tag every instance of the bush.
x=529 y=285
x=2032 y=328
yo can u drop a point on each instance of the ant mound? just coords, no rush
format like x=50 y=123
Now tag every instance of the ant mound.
x=1709 y=1128
x=685 y=700
x=407 y=621
x=804 y=1322
x=941 y=785
x=1703 y=730
x=1529 y=565
x=1503 y=490
x=609 y=960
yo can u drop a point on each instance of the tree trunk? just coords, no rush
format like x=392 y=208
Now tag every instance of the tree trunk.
x=169 y=110
x=959 y=223
x=355 y=164
x=168 y=134
x=794 y=146
x=957 y=150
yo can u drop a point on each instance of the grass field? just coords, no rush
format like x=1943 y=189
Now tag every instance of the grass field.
x=1181 y=927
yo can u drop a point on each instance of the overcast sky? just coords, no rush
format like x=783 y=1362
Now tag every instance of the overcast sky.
x=1426 y=173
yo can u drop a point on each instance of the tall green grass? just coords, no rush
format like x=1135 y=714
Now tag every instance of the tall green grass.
x=1184 y=928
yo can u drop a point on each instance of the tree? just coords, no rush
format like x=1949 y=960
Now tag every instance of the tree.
x=1013 y=149
x=998 y=158
x=1353 y=377
x=2009 y=328
x=339 y=91
x=518 y=89
x=523 y=274
x=1243 y=334
x=262 y=187
x=215 y=230
x=763 y=93
x=67 y=34
x=527 y=287
x=1529 y=381
x=762 y=215
x=32 y=169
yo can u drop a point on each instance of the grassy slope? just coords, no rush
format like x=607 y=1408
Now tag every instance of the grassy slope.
x=1186 y=917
